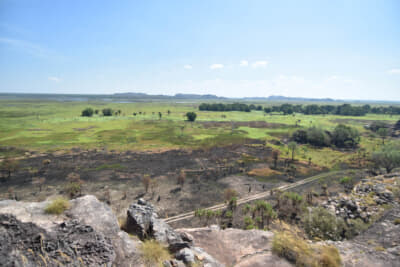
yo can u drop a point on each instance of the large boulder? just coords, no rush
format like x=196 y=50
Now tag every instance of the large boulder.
x=235 y=247
x=69 y=243
x=143 y=221
x=91 y=225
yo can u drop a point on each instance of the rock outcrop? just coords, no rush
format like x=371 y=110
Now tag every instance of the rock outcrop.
x=68 y=243
x=366 y=199
x=235 y=247
x=88 y=234
x=143 y=221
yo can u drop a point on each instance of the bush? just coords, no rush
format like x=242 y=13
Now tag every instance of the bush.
x=355 y=227
x=318 y=137
x=229 y=193
x=191 y=116
x=376 y=125
x=297 y=250
x=73 y=189
x=248 y=223
x=107 y=112
x=87 y=112
x=346 y=180
x=153 y=253
x=320 y=223
x=388 y=157
x=57 y=206
x=345 y=136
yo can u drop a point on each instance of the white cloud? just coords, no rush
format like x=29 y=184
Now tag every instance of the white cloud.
x=188 y=67
x=259 y=64
x=338 y=78
x=244 y=63
x=394 y=71
x=216 y=66
x=30 y=48
x=54 y=79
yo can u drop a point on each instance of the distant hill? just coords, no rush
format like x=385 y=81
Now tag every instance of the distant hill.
x=141 y=97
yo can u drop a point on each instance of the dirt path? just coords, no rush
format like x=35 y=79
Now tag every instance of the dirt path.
x=190 y=214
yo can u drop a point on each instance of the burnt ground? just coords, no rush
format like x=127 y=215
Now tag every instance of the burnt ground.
x=116 y=177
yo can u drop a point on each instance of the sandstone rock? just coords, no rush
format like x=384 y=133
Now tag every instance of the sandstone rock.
x=237 y=247
x=143 y=222
x=87 y=211
x=69 y=243
x=186 y=255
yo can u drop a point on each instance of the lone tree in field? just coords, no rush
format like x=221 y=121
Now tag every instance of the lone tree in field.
x=292 y=147
x=39 y=181
x=9 y=165
x=181 y=178
x=159 y=115
x=230 y=193
x=383 y=133
x=275 y=157
x=74 y=187
x=146 y=181
x=107 y=112
x=87 y=112
x=191 y=116
x=388 y=157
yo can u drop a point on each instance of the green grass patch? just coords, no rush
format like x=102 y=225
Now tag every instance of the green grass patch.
x=57 y=206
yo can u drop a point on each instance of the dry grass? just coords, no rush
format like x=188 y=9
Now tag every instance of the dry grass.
x=297 y=250
x=263 y=172
x=57 y=206
x=153 y=253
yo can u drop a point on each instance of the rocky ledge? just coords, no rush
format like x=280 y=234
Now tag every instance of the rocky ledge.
x=88 y=234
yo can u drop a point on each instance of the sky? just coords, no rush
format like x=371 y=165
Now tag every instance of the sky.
x=339 y=49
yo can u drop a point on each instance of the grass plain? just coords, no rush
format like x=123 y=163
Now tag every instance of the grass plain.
x=54 y=125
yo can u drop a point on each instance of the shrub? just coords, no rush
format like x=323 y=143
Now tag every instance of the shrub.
x=355 y=227
x=248 y=223
x=346 y=180
x=87 y=112
x=388 y=157
x=153 y=253
x=107 y=112
x=345 y=136
x=191 y=116
x=320 y=223
x=229 y=193
x=73 y=189
x=318 y=137
x=57 y=206
x=295 y=249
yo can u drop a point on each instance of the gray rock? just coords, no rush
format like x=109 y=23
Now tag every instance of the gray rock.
x=69 y=243
x=143 y=222
x=86 y=211
x=186 y=255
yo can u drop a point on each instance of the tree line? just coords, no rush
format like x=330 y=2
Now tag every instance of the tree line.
x=228 y=107
x=344 y=109
x=313 y=109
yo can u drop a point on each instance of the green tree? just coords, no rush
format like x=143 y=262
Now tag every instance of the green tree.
x=388 y=157
x=345 y=136
x=87 y=112
x=383 y=133
x=107 y=112
x=292 y=147
x=264 y=211
x=191 y=116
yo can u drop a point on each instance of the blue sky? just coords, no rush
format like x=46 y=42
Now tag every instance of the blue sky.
x=340 y=49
